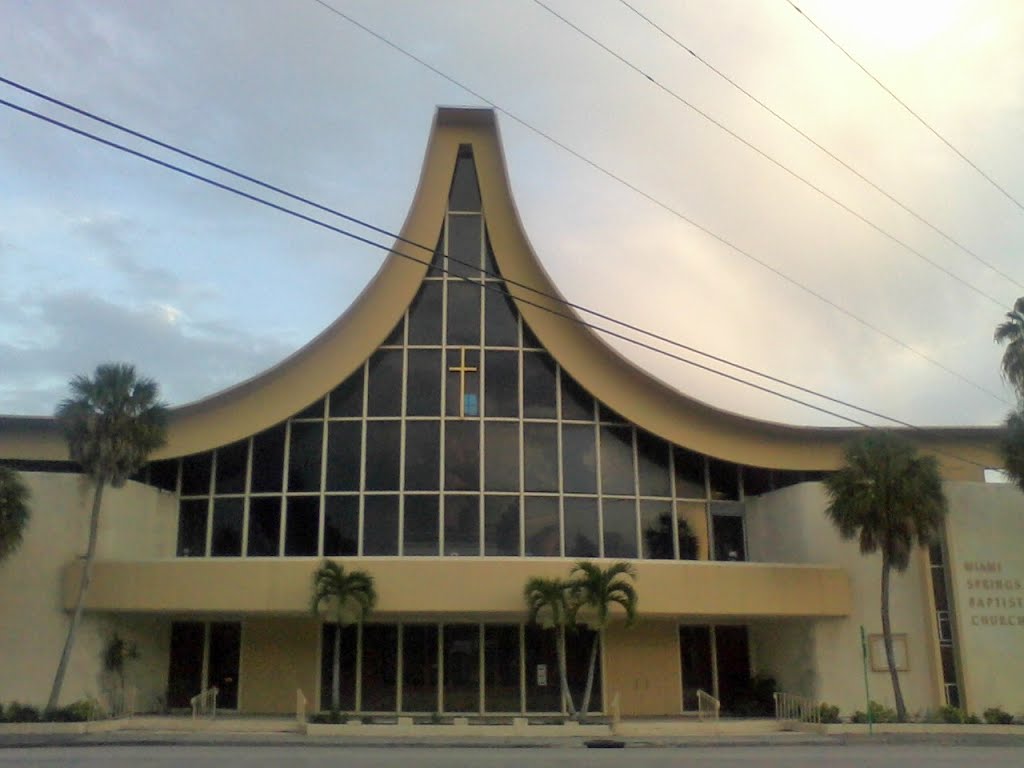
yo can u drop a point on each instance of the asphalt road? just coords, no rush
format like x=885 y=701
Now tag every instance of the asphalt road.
x=301 y=756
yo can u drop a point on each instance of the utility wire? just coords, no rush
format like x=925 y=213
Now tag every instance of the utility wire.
x=499 y=289
x=682 y=100
x=949 y=238
x=663 y=205
x=903 y=104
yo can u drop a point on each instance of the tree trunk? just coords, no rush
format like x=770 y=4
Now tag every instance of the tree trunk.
x=90 y=553
x=336 y=671
x=890 y=656
x=585 y=706
x=563 y=673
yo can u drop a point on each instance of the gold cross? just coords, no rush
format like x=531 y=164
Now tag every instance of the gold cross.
x=462 y=369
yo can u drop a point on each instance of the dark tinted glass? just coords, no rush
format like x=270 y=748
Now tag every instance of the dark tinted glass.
x=384 y=389
x=724 y=479
x=347 y=397
x=462 y=668
x=542 y=687
x=380 y=525
x=424 y=387
x=757 y=481
x=379 y=668
x=501 y=449
x=383 y=451
x=617 y=461
x=425 y=315
x=420 y=526
x=465 y=194
x=462 y=395
x=314 y=411
x=422 y=455
x=582 y=533
x=341 y=525
x=619 y=528
x=302 y=530
x=502 y=324
x=264 y=526
x=192 y=528
x=344 y=448
x=231 y=461
x=397 y=336
x=579 y=459
x=540 y=457
x=195 y=474
x=577 y=404
x=652 y=465
x=462 y=456
x=501 y=668
x=437 y=259
x=501 y=389
x=463 y=313
x=465 y=246
x=227 y=528
x=530 y=341
x=689 y=474
x=608 y=416
x=543 y=532
x=727 y=532
x=305 y=448
x=164 y=474
x=656 y=535
x=347 y=652
x=268 y=460
x=538 y=386
x=490 y=265
x=501 y=525
x=461 y=525
x=419 y=668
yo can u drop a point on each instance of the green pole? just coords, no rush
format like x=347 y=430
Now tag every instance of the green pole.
x=867 y=690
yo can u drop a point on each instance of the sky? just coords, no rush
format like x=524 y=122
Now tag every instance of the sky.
x=106 y=257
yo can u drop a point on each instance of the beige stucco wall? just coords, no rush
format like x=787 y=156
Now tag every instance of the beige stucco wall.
x=986 y=526
x=642 y=666
x=278 y=657
x=136 y=521
x=790 y=526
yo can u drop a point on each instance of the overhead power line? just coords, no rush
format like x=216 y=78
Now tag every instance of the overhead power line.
x=947 y=237
x=782 y=166
x=663 y=205
x=905 y=106
x=497 y=288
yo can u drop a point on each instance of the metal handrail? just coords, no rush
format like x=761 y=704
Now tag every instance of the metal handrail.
x=300 y=705
x=708 y=706
x=205 y=702
x=791 y=707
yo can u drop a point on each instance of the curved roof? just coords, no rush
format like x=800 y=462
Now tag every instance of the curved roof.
x=334 y=354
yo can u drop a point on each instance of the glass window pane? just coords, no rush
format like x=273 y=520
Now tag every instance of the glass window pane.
x=192 y=528
x=195 y=474
x=757 y=481
x=542 y=685
x=463 y=313
x=437 y=260
x=501 y=668
x=344 y=449
x=164 y=474
x=543 y=533
x=462 y=395
x=689 y=468
x=490 y=265
x=347 y=397
x=501 y=468
x=462 y=668
x=380 y=525
x=538 y=386
x=652 y=465
x=314 y=411
x=231 y=461
x=419 y=668
x=461 y=525
x=728 y=535
x=384 y=388
x=617 y=461
x=380 y=668
x=422 y=455
x=424 y=387
x=530 y=341
x=383 y=452
x=501 y=318
x=397 y=336
x=346 y=652
x=305 y=448
x=619 y=528
x=656 y=530
x=540 y=457
x=501 y=386
x=581 y=527
x=420 y=526
x=227 y=528
x=465 y=194
x=268 y=461
x=465 y=246
x=691 y=519
x=341 y=525
x=724 y=479
x=501 y=526
x=425 y=315
x=264 y=526
x=579 y=459
x=577 y=404
x=462 y=455
x=302 y=530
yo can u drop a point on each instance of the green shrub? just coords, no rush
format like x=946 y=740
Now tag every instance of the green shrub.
x=81 y=711
x=829 y=713
x=328 y=717
x=972 y=720
x=879 y=714
x=20 y=713
x=997 y=716
x=951 y=714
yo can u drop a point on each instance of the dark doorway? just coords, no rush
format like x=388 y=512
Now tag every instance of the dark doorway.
x=695 y=655
x=185 y=671
x=733 y=653
x=225 y=647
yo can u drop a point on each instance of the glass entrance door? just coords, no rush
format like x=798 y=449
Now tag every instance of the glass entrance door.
x=697 y=664
x=222 y=667
x=203 y=655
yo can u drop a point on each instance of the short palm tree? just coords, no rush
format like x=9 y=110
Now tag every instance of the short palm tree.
x=14 y=512
x=547 y=603
x=346 y=597
x=598 y=589
x=1013 y=446
x=890 y=499
x=1011 y=333
x=112 y=423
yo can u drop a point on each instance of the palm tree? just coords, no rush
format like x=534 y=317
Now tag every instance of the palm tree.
x=1013 y=446
x=346 y=596
x=14 y=513
x=111 y=422
x=597 y=588
x=1011 y=332
x=889 y=498
x=547 y=601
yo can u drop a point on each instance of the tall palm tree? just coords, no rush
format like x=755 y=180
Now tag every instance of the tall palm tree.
x=598 y=589
x=14 y=512
x=1011 y=332
x=111 y=422
x=346 y=597
x=1013 y=446
x=890 y=498
x=547 y=601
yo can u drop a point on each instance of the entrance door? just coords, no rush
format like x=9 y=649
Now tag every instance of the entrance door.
x=697 y=664
x=225 y=645
x=732 y=651
x=203 y=655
